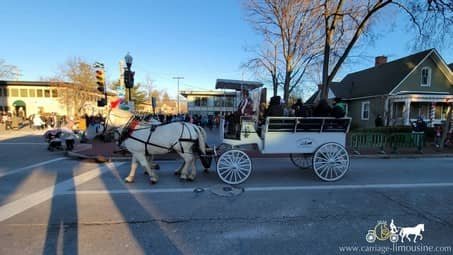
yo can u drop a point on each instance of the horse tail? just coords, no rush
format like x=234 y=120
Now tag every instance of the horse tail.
x=201 y=139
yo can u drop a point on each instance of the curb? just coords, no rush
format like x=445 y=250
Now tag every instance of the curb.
x=102 y=159
x=402 y=156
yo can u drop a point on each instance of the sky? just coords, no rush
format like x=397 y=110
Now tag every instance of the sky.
x=200 y=40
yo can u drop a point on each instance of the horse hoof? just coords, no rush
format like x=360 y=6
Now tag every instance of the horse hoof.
x=126 y=180
x=153 y=182
x=145 y=173
x=177 y=173
x=190 y=179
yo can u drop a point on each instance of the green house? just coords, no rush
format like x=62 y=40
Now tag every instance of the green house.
x=419 y=85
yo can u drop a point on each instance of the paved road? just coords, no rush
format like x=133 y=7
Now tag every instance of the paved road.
x=53 y=205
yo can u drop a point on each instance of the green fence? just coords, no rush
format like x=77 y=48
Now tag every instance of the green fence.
x=381 y=141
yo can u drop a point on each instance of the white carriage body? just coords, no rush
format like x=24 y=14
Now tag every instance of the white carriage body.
x=285 y=135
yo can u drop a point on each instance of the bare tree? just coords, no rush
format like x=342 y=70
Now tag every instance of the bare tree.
x=79 y=82
x=289 y=25
x=267 y=60
x=7 y=71
x=346 y=21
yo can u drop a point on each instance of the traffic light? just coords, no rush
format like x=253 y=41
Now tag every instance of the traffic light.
x=100 y=80
x=102 y=102
x=129 y=79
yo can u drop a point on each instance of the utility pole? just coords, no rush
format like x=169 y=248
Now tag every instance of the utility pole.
x=177 y=95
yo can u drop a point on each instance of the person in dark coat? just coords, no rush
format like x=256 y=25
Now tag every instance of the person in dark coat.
x=300 y=110
x=275 y=108
x=379 y=122
x=338 y=110
x=322 y=109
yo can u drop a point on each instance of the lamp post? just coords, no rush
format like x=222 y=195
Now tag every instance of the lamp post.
x=177 y=95
x=128 y=75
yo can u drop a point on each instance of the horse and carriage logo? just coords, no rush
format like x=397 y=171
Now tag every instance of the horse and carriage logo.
x=306 y=141
x=383 y=232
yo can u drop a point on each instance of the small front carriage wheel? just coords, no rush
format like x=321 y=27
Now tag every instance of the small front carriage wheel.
x=234 y=167
x=330 y=162
x=303 y=161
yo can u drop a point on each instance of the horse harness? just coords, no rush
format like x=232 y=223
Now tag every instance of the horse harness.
x=133 y=122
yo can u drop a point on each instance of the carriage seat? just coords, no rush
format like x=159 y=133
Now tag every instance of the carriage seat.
x=308 y=125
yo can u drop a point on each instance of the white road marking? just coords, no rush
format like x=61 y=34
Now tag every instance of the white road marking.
x=30 y=167
x=6 y=173
x=20 y=205
x=270 y=188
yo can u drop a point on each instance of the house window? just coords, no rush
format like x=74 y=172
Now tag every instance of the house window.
x=365 y=112
x=426 y=77
x=39 y=92
x=31 y=92
x=1 y=92
x=46 y=93
x=54 y=93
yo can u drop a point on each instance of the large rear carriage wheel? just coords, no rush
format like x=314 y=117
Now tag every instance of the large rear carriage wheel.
x=234 y=167
x=331 y=162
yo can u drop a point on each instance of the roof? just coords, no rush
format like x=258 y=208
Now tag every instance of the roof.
x=237 y=84
x=186 y=93
x=451 y=66
x=50 y=84
x=331 y=94
x=31 y=83
x=378 y=80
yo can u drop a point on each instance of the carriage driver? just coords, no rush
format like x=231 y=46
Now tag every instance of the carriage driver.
x=245 y=108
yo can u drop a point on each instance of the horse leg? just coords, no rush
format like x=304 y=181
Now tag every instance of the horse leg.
x=152 y=175
x=193 y=174
x=153 y=165
x=183 y=170
x=178 y=172
x=130 y=178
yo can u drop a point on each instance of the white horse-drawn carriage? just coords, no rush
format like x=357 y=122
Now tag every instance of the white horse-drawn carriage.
x=317 y=142
x=311 y=142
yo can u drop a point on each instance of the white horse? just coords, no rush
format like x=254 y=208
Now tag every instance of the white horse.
x=143 y=140
x=416 y=231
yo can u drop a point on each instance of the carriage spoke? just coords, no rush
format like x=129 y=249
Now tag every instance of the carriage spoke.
x=234 y=167
x=330 y=161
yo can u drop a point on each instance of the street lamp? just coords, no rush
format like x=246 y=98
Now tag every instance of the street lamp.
x=128 y=74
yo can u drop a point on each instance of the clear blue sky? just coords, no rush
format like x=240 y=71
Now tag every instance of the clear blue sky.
x=201 y=40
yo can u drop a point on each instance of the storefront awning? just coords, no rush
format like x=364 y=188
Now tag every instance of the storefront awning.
x=19 y=103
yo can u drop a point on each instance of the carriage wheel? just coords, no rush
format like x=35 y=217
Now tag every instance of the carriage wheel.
x=394 y=238
x=330 y=161
x=370 y=237
x=303 y=161
x=234 y=167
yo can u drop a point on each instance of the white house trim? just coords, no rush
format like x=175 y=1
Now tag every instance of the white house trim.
x=413 y=70
x=422 y=92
